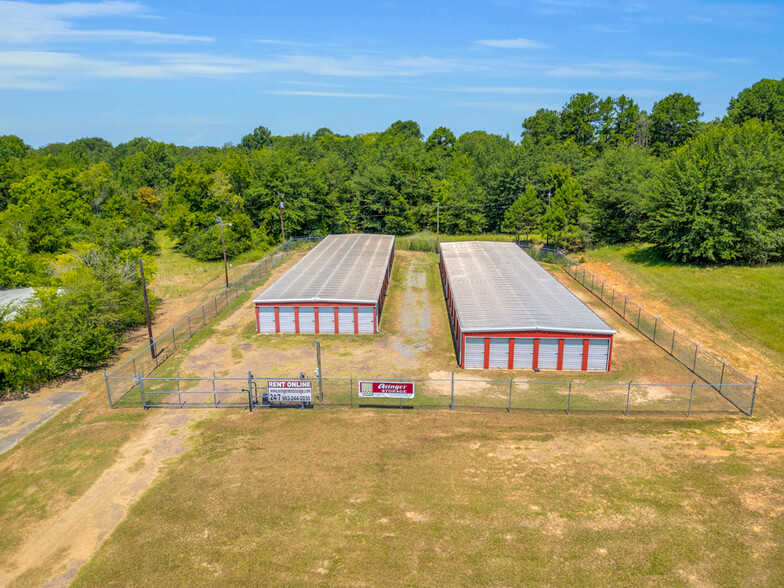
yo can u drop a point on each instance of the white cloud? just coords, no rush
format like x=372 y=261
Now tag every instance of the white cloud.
x=507 y=90
x=331 y=94
x=512 y=43
x=27 y=23
x=626 y=70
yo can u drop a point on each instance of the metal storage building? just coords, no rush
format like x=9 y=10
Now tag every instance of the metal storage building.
x=338 y=287
x=508 y=312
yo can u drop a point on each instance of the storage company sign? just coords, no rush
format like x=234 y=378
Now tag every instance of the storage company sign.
x=290 y=391
x=386 y=389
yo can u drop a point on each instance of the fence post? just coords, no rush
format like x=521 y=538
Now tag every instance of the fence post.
x=214 y=396
x=601 y=296
x=351 y=390
x=133 y=361
x=227 y=297
x=655 y=326
x=452 y=401
x=628 y=395
x=639 y=312
x=672 y=345
x=691 y=396
x=569 y=397
x=108 y=391
x=625 y=300
x=190 y=333
x=141 y=390
x=612 y=303
x=509 y=407
x=203 y=317
x=179 y=398
x=215 y=300
x=250 y=391
x=694 y=367
x=721 y=381
x=753 y=396
x=174 y=339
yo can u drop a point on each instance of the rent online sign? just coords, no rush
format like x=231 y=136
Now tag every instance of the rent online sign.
x=290 y=390
x=386 y=389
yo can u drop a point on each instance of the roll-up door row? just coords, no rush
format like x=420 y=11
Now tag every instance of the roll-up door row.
x=326 y=319
x=286 y=318
x=266 y=319
x=346 y=320
x=572 y=358
x=307 y=319
x=365 y=318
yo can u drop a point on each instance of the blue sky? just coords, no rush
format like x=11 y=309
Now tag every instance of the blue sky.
x=206 y=73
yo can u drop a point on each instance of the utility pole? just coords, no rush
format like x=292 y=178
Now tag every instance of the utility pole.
x=438 y=225
x=282 y=206
x=223 y=244
x=147 y=308
x=318 y=370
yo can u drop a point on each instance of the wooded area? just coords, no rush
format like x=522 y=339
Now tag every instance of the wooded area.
x=77 y=216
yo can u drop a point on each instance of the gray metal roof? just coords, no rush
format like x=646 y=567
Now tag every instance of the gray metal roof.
x=496 y=286
x=342 y=268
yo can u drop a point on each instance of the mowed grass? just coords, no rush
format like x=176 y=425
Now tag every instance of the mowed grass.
x=369 y=498
x=736 y=300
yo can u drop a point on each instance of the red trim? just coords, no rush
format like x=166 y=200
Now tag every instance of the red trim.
x=356 y=321
x=375 y=320
x=337 y=322
x=487 y=353
x=316 y=318
x=258 y=321
x=511 y=352
x=535 y=364
x=559 y=366
x=296 y=319
x=586 y=343
x=277 y=319
x=462 y=351
x=609 y=357
x=543 y=334
x=308 y=303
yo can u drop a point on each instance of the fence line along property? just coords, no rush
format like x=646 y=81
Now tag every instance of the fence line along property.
x=733 y=385
x=455 y=393
x=121 y=380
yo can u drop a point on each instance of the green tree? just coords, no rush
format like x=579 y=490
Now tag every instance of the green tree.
x=544 y=125
x=260 y=138
x=524 y=214
x=719 y=199
x=619 y=118
x=763 y=101
x=441 y=139
x=580 y=118
x=673 y=121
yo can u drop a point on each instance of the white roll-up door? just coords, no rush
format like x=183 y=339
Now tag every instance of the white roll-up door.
x=307 y=320
x=286 y=317
x=598 y=354
x=548 y=354
x=365 y=317
x=474 y=352
x=326 y=320
x=499 y=353
x=573 y=354
x=523 y=354
x=266 y=319
x=346 y=320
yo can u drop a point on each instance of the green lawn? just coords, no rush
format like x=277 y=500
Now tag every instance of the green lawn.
x=740 y=301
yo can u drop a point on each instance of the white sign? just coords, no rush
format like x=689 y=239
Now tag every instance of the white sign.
x=290 y=391
x=386 y=389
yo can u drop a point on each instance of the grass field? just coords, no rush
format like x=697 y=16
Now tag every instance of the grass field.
x=429 y=497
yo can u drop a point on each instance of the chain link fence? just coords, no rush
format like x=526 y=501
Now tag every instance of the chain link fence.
x=121 y=380
x=454 y=393
x=736 y=387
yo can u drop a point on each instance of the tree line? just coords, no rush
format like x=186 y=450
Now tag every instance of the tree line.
x=75 y=216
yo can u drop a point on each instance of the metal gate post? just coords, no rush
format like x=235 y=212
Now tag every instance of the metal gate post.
x=569 y=397
x=351 y=390
x=109 y=392
x=639 y=313
x=721 y=381
x=691 y=396
x=179 y=398
x=133 y=361
x=509 y=408
x=452 y=401
x=655 y=326
x=625 y=300
x=214 y=396
x=628 y=395
x=141 y=390
x=753 y=396
x=694 y=367
x=672 y=345
x=250 y=391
